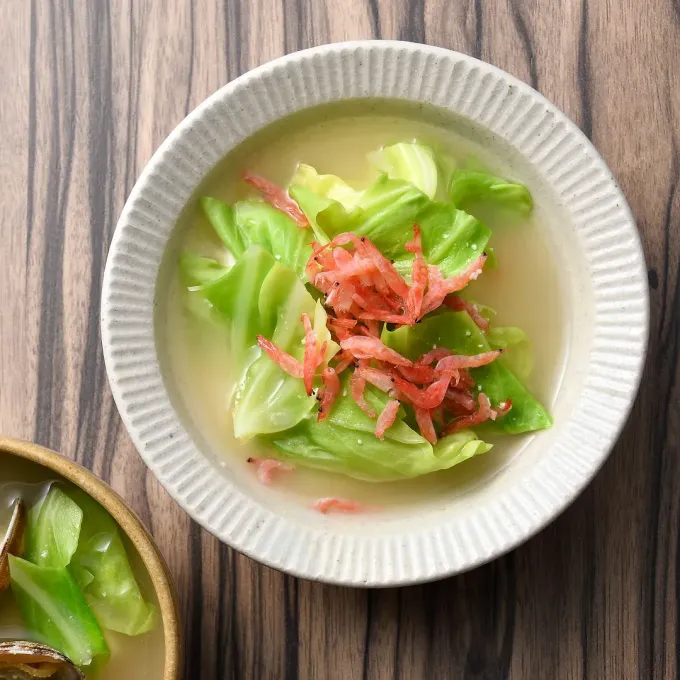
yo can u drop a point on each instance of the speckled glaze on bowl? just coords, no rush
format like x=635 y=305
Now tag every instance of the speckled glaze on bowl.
x=130 y=524
x=606 y=324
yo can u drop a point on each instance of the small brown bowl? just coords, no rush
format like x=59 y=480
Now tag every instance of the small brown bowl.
x=133 y=528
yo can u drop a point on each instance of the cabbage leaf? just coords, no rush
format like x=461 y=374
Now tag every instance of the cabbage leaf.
x=104 y=573
x=456 y=331
x=313 y=205
x=196 y=270
x=55 y=530
x=411 y=162
x=469 y=187
x=520 y=359
x=345 y=443
x=260 y=296
x=53 y=607
x=328 y=186
x=221 y=217
x=262 y=224
x=451 y=239
x=386 y=213
x=256 y=222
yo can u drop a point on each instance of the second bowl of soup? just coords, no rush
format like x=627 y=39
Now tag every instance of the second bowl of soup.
x=84 y=592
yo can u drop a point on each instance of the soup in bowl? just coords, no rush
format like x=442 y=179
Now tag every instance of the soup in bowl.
x=365 y=334
x=84 y=592
x=432 y=359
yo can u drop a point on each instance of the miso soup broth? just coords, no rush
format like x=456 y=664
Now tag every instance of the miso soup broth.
x=132 y=657
x=525 y=290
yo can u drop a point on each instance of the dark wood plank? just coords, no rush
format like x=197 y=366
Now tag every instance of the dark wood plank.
x=90 y=90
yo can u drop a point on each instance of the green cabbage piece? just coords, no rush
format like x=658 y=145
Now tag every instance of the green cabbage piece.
x=386 y=212
x=104 y=573
x=459 y=447
x=456 y=331
x=451 y=239
x=264 y=225
x=260 y=296
x=324 y=199
x=344 y=443
x=328 y=186
x=312 y=205
x=234 y=297
x=221 y=217
x=447 y=166
x=53 y=533
x=256 y=222
x=469 y=187
x=52 y=606
x=196 y=270
x=411 y=162
x=193 y=299
x=520 y=359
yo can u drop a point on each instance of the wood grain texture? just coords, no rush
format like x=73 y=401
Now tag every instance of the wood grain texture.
x=90 y=88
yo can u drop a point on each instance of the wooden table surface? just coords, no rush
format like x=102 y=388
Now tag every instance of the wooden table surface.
x=91 y=88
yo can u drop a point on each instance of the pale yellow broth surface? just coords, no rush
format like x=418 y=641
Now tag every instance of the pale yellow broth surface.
x=524 y=289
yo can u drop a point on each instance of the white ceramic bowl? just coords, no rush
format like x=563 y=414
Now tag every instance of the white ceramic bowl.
x=602 y=270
